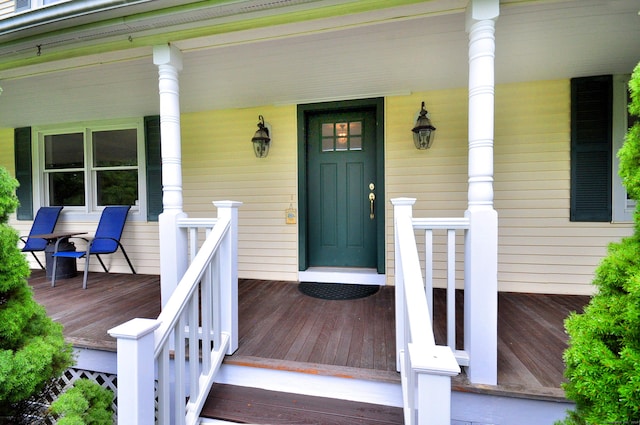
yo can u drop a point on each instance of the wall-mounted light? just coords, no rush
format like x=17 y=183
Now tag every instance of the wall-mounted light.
x=423 y=131
x=261 y=139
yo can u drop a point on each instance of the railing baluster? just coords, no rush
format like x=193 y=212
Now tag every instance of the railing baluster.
x=206 y=312
x=428 y=268
x=216 y=315
x=451 y=288
x=194 y=342
x=164 y=397
x=193 y=243
x=180 y=370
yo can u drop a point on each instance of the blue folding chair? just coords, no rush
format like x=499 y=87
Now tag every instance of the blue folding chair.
x=105 y=241
x=44 y=223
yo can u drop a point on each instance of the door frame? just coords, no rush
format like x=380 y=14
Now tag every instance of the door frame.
x=376 y=104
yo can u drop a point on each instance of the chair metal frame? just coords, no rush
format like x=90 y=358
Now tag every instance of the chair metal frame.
x=44 y=222
x=105 y=241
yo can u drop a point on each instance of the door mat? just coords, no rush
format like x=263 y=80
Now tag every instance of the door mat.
x=337 y=291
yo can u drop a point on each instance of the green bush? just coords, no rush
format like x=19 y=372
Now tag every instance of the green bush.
x=87 y=403
x=602 y=362
x=32 y=348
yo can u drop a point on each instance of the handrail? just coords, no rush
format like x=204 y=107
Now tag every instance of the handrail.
x=425 y=367
x=189 y=322
x=184 y=347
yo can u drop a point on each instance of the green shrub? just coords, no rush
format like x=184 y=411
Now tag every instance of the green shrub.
x=32 y=347
x=87 y=403
x=602 y=362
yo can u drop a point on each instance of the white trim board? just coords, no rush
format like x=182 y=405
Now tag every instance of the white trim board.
x=342 y=275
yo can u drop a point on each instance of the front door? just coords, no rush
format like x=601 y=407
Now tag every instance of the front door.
x=341 y=189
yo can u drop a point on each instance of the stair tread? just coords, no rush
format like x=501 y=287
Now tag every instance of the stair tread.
x=258 y=406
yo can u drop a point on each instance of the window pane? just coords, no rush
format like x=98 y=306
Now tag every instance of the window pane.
x=327 y=144
x=115 y=148
x=118 y=187
x=64 y=151
x=355 y=143
x=341 y=144
x=66 y=189
x=355 y=128
x=327 y=130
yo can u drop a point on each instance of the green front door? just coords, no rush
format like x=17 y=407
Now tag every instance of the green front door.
x=341 y=189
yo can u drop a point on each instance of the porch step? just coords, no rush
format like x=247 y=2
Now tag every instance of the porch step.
x=258 y=406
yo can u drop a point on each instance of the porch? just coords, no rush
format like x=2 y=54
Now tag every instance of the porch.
x=281 y=329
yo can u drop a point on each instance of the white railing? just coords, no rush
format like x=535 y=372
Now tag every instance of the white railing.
x=451 y=226
x=426 y=368
x=197 y=229
x=184 y=347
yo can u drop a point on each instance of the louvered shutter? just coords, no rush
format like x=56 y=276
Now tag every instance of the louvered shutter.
x=591 y=121
x=154 y=167
x=22 y=153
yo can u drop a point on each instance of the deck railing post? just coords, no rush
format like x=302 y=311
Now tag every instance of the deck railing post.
x=229 y=273
x=402 y=207
x=434 y=366
x=136 y=371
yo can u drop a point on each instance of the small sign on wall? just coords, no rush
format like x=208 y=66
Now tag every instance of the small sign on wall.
x=291 y=215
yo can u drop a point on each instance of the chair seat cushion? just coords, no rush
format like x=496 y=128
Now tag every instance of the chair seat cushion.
x=70 y=254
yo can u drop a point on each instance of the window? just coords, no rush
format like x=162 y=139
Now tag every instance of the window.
x=342 y=136
x=85 y=168
x=599 y=121
x=623 y=205
x=39 y=178
x=25 y=5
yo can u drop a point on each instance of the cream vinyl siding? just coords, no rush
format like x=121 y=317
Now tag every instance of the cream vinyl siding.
x=436 y=177
x=140 y=239
x=7 y=8
x=539 y=249
x=219 y=163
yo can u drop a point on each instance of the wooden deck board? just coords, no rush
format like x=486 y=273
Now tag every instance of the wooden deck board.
x=250 y=405
x=279 y=324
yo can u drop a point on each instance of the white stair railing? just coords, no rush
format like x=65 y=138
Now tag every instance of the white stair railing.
x=426 y=368
x=183 y=348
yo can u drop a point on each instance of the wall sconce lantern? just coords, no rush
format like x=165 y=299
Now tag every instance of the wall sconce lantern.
x=423 y=131
x=261 y=139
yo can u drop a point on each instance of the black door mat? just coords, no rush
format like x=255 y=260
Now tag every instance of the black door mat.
x=337 y=291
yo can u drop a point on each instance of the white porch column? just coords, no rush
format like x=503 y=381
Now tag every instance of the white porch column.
x=173 y=241
x=481 y=271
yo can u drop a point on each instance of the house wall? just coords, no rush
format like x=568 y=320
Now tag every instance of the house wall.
x=7 y=8
x=219 y=163
x=540 y=250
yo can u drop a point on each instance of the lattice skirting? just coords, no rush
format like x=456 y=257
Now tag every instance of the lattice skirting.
x=71 y=375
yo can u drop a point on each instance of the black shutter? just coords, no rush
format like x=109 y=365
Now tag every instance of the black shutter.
x=591 y=146
x=22 y=153
x=154 y=167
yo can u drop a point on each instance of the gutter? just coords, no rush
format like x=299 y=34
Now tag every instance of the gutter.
x=61 y=12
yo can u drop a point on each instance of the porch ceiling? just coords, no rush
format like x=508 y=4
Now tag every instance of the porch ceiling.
x=410 y=48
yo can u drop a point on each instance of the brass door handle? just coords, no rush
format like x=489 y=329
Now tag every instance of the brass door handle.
x=372 y=197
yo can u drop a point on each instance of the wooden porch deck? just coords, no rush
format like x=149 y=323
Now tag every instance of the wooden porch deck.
x=282 y=329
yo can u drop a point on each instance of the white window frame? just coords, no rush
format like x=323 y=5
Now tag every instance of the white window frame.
x=35 y=4
x=90 y=211
x=622 y=208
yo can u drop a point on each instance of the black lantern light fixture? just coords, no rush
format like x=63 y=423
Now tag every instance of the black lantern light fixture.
x=423 y=131
x=261 y=139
